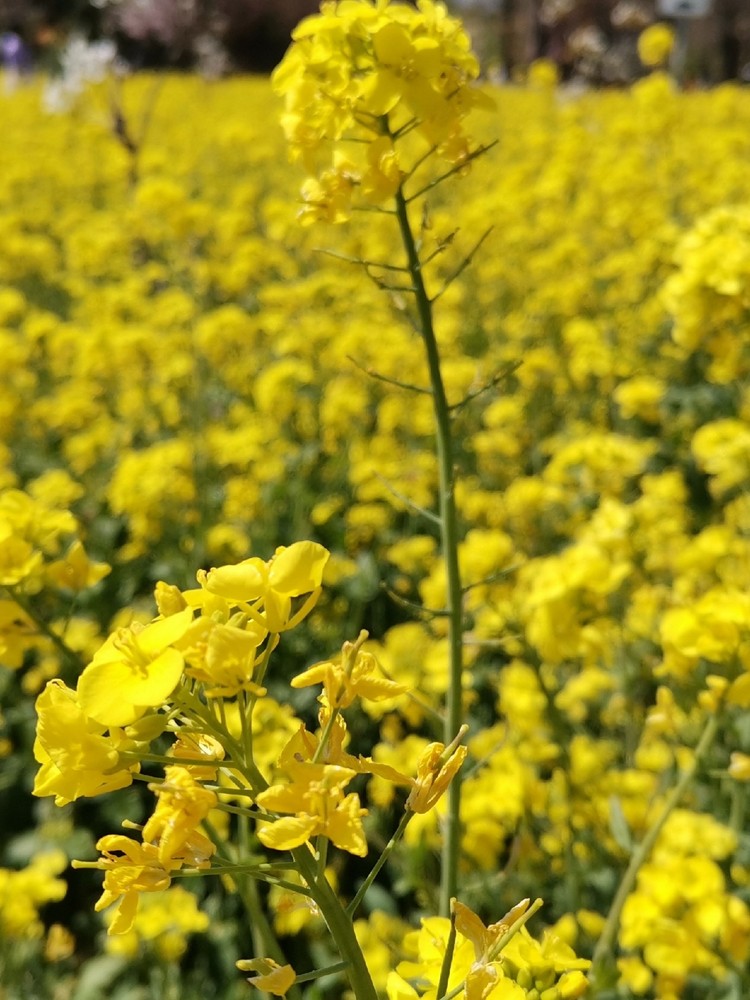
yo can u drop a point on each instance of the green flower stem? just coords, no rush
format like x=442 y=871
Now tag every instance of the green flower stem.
x=445 y=968
x=605 y=944
x=321 y=848
x=262 y=664
x=330 y=970
x=339 y=924
x=246 y=721
x=449 y=543
x=353 y=906
x=265 y=943
x=338 y=920
x=324 y=736
x=156 y=758
x=264 y=939
x=253 y=814
x=196 y=711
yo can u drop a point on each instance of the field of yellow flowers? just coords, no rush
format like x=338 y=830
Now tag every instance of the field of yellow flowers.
x=190 y=377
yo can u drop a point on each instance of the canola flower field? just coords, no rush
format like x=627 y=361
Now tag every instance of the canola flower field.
x=192 y=378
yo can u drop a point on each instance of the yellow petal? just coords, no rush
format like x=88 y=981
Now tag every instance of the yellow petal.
x=298 y=569
x=289 y=832
x=344 y=826
x=243 y=582
x=124 y=915
x=273 y=978
x=116 y=694
x=470 y=926
x=397 y=988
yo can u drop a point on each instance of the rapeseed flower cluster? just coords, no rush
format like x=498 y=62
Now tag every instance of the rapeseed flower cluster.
x=364 y=75
x=185 y=675
x=186 y=379
x=24 y=891
x=655 y=44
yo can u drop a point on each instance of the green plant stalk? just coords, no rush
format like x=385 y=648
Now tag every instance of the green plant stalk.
x=265 y=943
x=445 y=968
x=387 y=850
x=339 y=924
x=605 y=944
x=325 y=736
x=449 y=544
x=330 y=970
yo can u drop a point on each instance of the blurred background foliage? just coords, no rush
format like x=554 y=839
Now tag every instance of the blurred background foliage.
x=590 y=40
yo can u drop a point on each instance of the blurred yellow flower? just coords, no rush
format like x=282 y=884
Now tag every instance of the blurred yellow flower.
x=655 y=44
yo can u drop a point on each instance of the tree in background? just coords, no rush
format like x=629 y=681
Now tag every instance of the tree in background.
x=590 y=40
x=595 y=40
x=216 y=34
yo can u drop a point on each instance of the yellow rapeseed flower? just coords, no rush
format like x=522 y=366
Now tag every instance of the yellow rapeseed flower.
x=137 y=668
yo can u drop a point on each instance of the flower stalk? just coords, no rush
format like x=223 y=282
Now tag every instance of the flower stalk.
x=605 y=945
x=449 y=538
x=339 y=924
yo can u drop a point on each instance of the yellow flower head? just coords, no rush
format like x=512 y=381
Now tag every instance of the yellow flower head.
x=131 y=868
x=436 y=768
x=77 y=758
x=352 y=674
x=266 y=589
x=183 y=804
x=373 y=71
x=316 y=802
x=137 y=668
x=655 y=44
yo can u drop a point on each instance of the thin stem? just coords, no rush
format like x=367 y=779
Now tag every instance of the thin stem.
x=329 y=970
x=445 y=968
x=325 y=735
x=353 y=906
x=417 y=609
x=262 y=664
x=264 y=939
x=499 y=377
x=422 y=511
x=361 y=261
x=172 y=761
x=230 y=869
x=605 y=944
x=390 y=381
x=449 y=542
x=449 y=173
x=463 y=265
x=321 y=848
x=254 y=814
x=246 y=724
x=408 y=174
